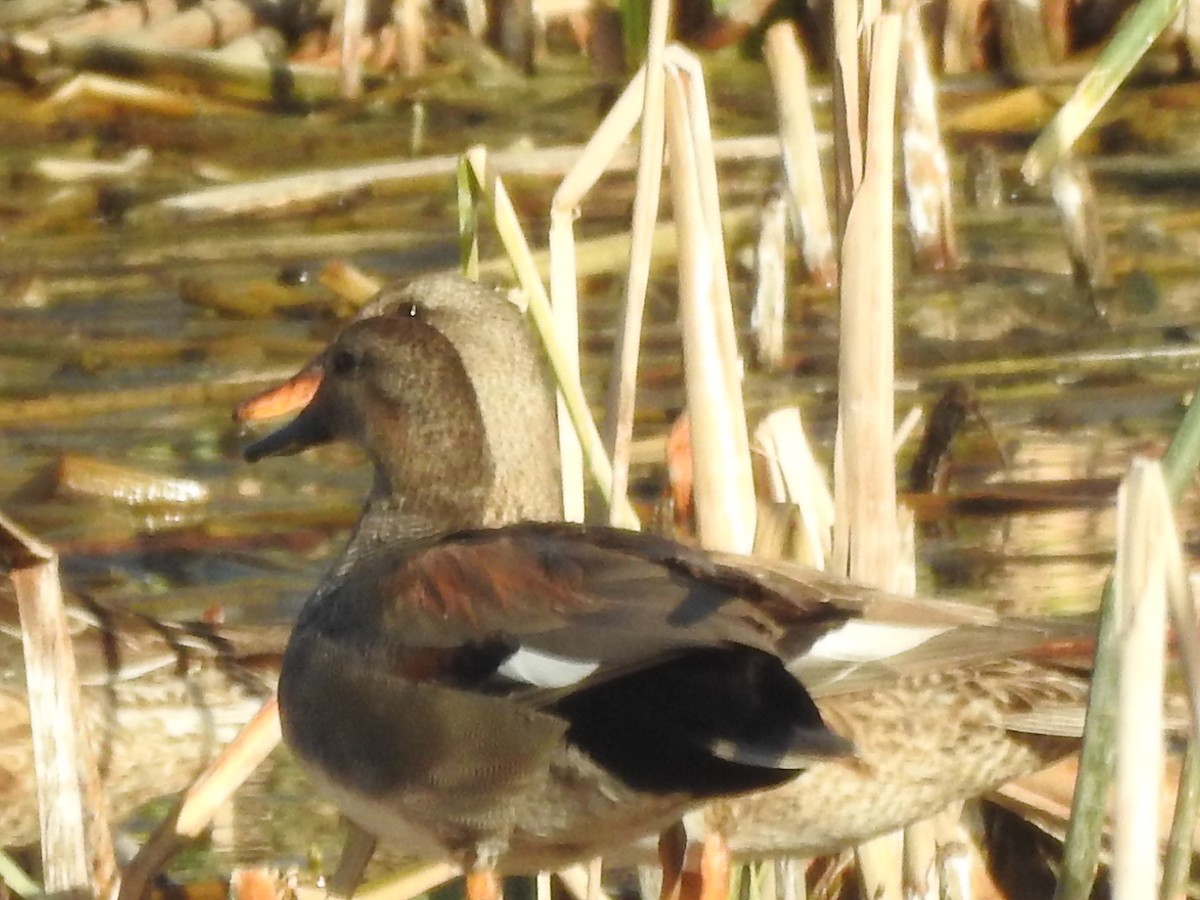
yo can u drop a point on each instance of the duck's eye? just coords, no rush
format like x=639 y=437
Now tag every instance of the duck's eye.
x=410 y=310
x=343 y=362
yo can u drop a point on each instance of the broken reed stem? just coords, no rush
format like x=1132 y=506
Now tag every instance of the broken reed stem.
x=724 y=492
x=768 y=315
x=622 y=389
x=77 y=852
x=792 y=475
x=865 y=531
x=864 y=476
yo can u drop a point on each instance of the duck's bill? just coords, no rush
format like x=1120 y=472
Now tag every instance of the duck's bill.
x=284 y=399
x=296 y=395
x=308 y=429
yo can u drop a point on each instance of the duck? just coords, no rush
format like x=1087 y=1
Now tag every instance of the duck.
x=479 y=682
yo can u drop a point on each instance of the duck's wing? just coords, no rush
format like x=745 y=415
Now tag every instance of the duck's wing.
x=663 y=670
x=600 y=602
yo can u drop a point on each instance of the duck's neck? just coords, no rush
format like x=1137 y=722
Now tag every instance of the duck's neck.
x=395 y=516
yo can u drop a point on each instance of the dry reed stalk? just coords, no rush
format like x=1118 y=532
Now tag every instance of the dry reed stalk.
x=703 y=146
x=1139 y=582
x=622 y=388
x=961 y=35
x=521 y=258
x=249 y=81
x=129 y=95
x=1027 y=51
x=847 y=108
x=1082 y=843
x=564 y=303
x=926 y=165
x=1079 y=212
x=1182 y=605
x=353 y=23
x=865 y=534
x=768 y=314
x=412 y=27
x=723 y=486
x=792 y=475
x=77 y=852
x=195 y=809
x=864 y=470
x=801 y=155
x=77 y=475
x=315 y=185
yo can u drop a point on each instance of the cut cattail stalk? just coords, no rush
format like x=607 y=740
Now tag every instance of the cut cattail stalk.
x=801 y=157
x=768 y=315
x=926 y=166
x=1075 y=200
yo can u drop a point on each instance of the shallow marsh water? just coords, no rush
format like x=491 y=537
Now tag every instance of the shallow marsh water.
x=128 y=336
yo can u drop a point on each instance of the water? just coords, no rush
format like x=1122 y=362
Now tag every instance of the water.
x=96 y=301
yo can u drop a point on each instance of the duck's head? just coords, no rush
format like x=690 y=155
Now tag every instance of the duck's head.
x=440 y=383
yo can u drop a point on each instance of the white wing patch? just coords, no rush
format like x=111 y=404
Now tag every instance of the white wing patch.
x=861 y=642
x=546 y=670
